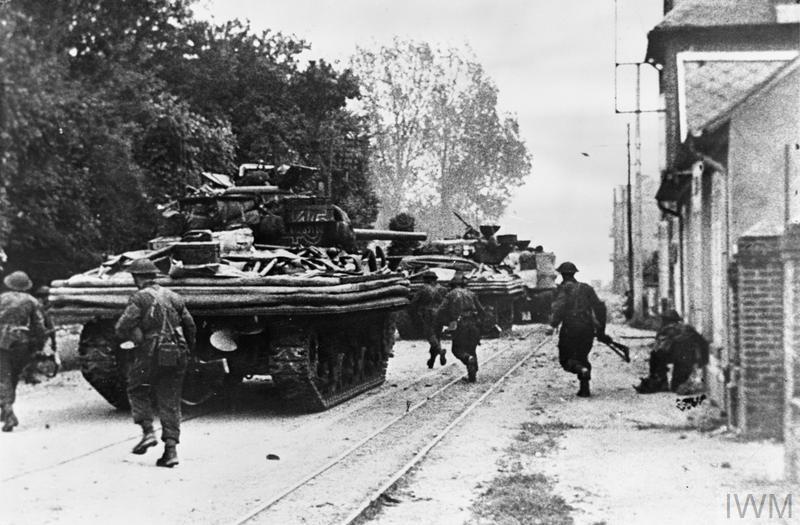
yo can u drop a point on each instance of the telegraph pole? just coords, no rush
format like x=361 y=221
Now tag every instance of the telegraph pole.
x=638 y=262
x=635 y=218
x=629 y=208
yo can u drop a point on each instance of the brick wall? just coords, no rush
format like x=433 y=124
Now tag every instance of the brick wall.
x=791 y=334
x=759 y=328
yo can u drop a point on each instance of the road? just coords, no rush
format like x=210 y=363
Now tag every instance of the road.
x=70 y=461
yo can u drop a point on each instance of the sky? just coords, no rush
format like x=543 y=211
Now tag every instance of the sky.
x=553 y=64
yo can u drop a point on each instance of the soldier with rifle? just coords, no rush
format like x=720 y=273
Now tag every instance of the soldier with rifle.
x=677 y=344
x=581 y=316
x=156 y=319
x=423 y=308
x=462 y=311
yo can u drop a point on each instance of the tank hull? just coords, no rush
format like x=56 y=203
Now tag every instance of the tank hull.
x=322 y=340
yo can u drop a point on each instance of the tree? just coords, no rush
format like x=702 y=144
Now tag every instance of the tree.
x=439 y=142
x=108 y=108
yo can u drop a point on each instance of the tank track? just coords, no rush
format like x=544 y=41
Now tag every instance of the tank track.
x=318 y=366
x=102 y=364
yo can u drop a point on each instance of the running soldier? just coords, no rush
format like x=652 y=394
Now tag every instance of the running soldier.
x=157 y=321
x=423 y=308
x=21 y=326
x=462 y=310
x=677 y=344
x=582 y=316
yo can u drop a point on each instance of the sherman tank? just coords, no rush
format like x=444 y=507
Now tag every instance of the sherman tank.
x=275 y=282
x=479 y=255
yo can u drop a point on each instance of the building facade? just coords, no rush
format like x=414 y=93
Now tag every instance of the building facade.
x=730 y=89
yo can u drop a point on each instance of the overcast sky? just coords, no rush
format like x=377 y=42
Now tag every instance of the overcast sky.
x=553 y=62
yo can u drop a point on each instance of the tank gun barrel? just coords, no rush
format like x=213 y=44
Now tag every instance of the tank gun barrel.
x=363 y=234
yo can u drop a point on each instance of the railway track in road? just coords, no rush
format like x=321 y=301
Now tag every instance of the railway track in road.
x=428 y=379
x=433 y=410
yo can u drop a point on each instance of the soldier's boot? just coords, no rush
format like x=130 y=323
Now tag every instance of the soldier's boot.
x=431 y=360
x=442 y=358
x=170 y=457
x=148 y=440
x=472 y=369
x=9 y=418
x=583 y=391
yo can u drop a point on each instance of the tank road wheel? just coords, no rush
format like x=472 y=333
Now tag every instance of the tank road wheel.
x=102 y=363
x=316 y=368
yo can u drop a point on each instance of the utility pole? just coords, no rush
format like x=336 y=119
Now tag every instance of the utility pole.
x=638 y=262
x=629 y=209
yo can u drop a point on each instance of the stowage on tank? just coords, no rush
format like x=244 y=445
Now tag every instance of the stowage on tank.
x=275 y=282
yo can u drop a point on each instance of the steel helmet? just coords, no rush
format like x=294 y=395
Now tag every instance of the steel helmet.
x=18 y=281
x=458 y=279
x=430 y=275
x=671 y=316
x=142 y=267
x=567 y=267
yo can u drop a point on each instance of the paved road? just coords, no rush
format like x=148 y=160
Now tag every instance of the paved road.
x=70 y=461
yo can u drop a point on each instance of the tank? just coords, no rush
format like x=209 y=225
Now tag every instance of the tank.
x=480 y=255
x=275 y=282
x=537 y=270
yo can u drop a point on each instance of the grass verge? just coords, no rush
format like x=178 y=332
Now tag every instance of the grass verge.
x=521 y=497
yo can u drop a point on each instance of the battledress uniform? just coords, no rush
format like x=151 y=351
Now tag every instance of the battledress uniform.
x=21 y=326
x=424 y=305
x=582 y=315
x=680 y=345
x=463 y=307
x=148 y=382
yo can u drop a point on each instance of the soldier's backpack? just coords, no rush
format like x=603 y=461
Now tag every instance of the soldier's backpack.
x=170 y=345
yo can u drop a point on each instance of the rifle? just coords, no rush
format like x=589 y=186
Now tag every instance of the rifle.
x=618 y=348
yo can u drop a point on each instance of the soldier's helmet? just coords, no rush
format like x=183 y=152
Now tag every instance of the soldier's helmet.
x=671 y=316
x=430 y=276
x=18 y=281
x=42 y=291
x=142 y=267
x=566 y=267
x=458 y=279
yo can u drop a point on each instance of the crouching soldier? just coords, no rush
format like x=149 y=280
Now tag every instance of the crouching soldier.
x=463 y=309
x=677 y=344
x=582 y=316
x=21 y=326
x=423 y=308
x=156 y=319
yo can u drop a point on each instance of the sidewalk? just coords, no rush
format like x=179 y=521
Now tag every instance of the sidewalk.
x=538 y=454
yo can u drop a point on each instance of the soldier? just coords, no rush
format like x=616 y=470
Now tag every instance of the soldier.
x=423 y=307
x=582 y=316
x=21 y=325
x=462 y=308
x=680 y=345
x=156 y=319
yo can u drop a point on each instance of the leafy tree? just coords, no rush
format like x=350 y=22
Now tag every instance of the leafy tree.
x=439 y=142
x=109 y=107
x=84 y=161
x=278 y=112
